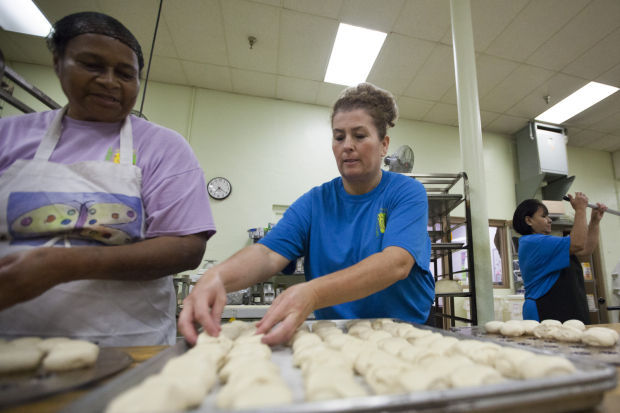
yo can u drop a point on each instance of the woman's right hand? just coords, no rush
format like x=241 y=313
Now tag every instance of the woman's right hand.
x=579 y=201
x=203 y=305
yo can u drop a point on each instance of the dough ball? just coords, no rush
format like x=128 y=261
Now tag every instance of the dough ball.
x=359 y=330
x=156 y=394
x=393 y=345
x=512 y=329
x=19 y=358
x=474 y=375
x=479 y=351
x=263 y=395
x=328 y=331
x=317 y=325
x=600 y=337
x=26 y=341
x=508 y=361
x=326 y=357
x=337 y=341
x=414 y=333
x=420 y=378
x=249 y=338
x=47 y=344
x=379 y=323
x=541 y=366
x=352 y=323
x=529 y=326
x=69 y=355
x=242 y=364
x=545 y=331
x=197 y=378
x=385 y=379
x=578 y=324
x=298 y=333
x=378 y=335
x=492 y=327
x=241 y=382
x=221 y=340
x=567 y=334
x=213 y=352
x=425 y=340
x=306 y=340
x=352 y=348
x=253 y=349
x=327 y=383
x=370 y=357
x=551 y=322
x=306 y=353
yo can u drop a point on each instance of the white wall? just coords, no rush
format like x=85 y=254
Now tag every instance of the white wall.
x=273 y=151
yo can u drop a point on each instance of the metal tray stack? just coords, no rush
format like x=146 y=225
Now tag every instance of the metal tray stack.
x=581 y=390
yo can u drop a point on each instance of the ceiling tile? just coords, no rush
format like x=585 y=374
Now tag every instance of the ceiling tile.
x=24 y=48
x=253 y=83
x=296 y=90
x=164 y=46
x=610 y=124
x=557 y=88
x=508 y=125
x=243 y=19
x=597 y=113
x=490 y=17
x=424 y=19
x=611 y=77
x=325 y=8
x=442 y=113
x=199 y=35
x=536 y=23
x=371 y=14
x=435 y=77
x=487 y=118
x=594 y=22
x=167 y=70
x=514 y=88
x=399 y=60
x=208 y=76
x=605 y=143
x=54 y=10
x=328 y=93
x=597 y=60
x=579 y=137
x=305 y=45
x=415 y=109
x=275 y=3
x=491 y=71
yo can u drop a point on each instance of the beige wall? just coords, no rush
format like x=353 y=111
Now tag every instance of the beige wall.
x=273 y=151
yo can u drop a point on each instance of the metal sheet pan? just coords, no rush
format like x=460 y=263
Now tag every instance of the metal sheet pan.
x=581 y=390
x=21 y=387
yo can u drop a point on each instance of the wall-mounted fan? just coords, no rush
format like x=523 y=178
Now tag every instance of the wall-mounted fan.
x=401 y=160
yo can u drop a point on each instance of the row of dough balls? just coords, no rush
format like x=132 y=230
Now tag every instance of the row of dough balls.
x=236 y=358
x=398 y=358
x=55 y=354
x=572 y=331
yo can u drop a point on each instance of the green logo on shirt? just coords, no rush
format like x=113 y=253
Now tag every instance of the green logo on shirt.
x=381 y=221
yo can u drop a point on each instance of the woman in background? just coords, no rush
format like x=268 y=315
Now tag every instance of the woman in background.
x=552 y=274
x=363 y=235
x=126 y=195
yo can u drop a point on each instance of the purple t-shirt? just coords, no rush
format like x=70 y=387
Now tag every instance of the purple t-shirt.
x=173 y=186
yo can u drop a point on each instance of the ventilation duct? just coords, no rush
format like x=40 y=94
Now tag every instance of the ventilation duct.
x=543 y=166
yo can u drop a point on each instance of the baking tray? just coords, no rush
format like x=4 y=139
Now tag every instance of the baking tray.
x=580 y=390
x=28 y=386
x=603 y=354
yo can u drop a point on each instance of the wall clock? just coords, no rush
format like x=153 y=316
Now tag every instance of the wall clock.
x=219 y=188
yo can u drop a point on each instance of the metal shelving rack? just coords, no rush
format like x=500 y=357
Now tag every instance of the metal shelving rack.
x=441 y=204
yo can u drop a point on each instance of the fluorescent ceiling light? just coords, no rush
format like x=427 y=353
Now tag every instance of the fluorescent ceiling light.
x=22 y=16
x=579 y=101
x=354 y=52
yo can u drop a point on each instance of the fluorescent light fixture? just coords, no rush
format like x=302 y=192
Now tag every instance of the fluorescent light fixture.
x=354 y=52
x=22 y=16
x=579 y=101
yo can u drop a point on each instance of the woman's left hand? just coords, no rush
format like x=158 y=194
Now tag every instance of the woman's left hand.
x=287 y=312
x=597 y=213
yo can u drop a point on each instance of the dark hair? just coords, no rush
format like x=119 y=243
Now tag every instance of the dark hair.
x=526 y=208
x=76 y=24
x=378 y=103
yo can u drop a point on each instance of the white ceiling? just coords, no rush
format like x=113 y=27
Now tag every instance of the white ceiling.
x=526 y=49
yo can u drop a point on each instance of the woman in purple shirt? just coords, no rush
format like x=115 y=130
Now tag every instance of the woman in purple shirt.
x=97 y=208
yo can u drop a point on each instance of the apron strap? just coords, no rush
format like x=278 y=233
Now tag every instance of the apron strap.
x=51 y=137
x=126 y=146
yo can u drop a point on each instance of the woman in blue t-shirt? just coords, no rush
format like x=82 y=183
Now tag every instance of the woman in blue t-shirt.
x=363 y=235
x=552 y=274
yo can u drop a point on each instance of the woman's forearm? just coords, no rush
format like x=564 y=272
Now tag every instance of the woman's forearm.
x=368 y=276
x=579 y=232
x=144 y=260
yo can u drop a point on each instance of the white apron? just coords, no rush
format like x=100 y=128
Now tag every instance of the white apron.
x=45 y=203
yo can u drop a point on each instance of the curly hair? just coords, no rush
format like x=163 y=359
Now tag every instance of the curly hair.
x=526 y=208
x=76 y=24
x=377 y=102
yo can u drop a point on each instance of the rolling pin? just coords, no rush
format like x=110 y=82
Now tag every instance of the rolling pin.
x=593 y=206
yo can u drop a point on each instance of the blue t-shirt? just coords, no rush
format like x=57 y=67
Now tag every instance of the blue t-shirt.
x=334 y=230
x=541 y=258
